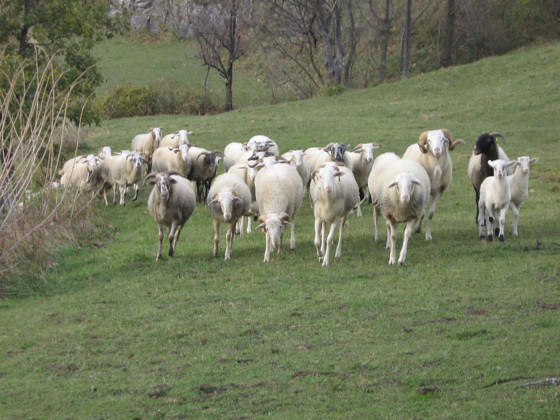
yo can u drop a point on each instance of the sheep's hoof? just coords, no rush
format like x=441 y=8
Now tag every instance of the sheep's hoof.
x=401 y=262
x=496 y=231
x=490 y=238
x=158 y=257
x=501 y=238
x=481 y=236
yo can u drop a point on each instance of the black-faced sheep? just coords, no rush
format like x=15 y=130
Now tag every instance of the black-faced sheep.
x=171 y=203
x=203 y=170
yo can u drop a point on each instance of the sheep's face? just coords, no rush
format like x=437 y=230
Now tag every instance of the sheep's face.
x=404 y=185
x=436 y=142
x=136 y=161
x=500 y=167
x=183 y=136
x=524 y=163
x=368 y=151
x=184 y=151
x=326 y=176
x=486 y=144
x=162 y=182
x=336 y=150
x=226 y=201
x=274 y=225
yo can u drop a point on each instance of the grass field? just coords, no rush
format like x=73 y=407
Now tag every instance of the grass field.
x=465 y=329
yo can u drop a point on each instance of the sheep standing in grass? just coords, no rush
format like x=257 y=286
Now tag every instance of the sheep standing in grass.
x=79 y=171
x=335 y=193
x=147 y=143
x=399 y=189
x=172 y=159
x=486 y=148
x=119 y=171
x=361 y=158
x=432 y=152
x=203 y=170
x=171 y=203
x=519 y=188
x=279 y=192
x=296 y=159
x=248 y=172
x=495 y=196
x=229 y=198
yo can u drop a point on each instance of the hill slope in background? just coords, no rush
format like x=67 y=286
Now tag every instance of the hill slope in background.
x=466 y=329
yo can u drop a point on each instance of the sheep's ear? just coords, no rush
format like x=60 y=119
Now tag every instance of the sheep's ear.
x=262 y=226
x=287 y=224
x=237 y=199
x=534 y=160
x=511 y=163
x=392 y=184
x=491 y=163
x=214 y=201
x=416 y=181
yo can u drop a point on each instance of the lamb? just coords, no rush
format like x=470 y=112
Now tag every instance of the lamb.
x=519 y=188
x=171 y=203
x=146 y=143
x=361 y=158
x=172 y=159
x=400 y=189
x=432 y=153
x=495 y=196
x=175 y=139
x=296 y=159
x=279 y=193
x=119 y=170
x=335 y=193
x=486 y=148
x=203 y=170
x=229 y=199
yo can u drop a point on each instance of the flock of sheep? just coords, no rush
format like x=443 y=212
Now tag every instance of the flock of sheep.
x=259 y=182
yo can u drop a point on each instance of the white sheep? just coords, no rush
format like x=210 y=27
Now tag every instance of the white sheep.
x=335 y=193
x=296 y=158
x=119 y=171
x=79 y=171
x=432 y=152
x=263 y=143
x=494 y=198
x=400 y=189
x=519 y=188
x=146 y=143
x=175 y=139
x=172 y=159
x=171 y=203
x=203 y=170
x=361 y=161
x=279 y=193
x=229 y=198
x=248 y=172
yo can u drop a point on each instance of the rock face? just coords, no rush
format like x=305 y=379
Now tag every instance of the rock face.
x=155 y=15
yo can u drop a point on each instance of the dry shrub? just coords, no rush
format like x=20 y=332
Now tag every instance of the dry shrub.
x=35 y=215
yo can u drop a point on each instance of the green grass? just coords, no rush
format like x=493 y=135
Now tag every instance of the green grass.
x=452 y=334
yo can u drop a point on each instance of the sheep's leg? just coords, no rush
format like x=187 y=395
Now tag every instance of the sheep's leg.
x=502 y=223
x=476 y=199
x=293 y=237
x=115 y=194
x=330 y=240
x=376 y=223
x=418 y=227
x=338 y=252
x=318 y=237
x=216 y=237
x=481 y=218
x=435 y=200
x=323 y=237
x=122 y=191
x=267 y=248
x=513 y=227
x=393 y=235
x=173 y=232
x=105 y=196
x=136 y=188
x=229 y=240
x=160 y=240
x=406 y=238
x=388 y=241
x=490 y=223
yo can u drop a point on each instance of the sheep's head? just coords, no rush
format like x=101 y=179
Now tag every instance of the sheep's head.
x=488 y=144
x=183 y=151
x=404 y=184
x=325 y=176
x=156 y=135
x=211 y=160
x=226 y=201
x=136 y=160
x=184 y=136
x=336 y=150
x=273 y=225
x=500 y=167
x=436 y=140
x=162 y=182
x=368 y=150
x=524 y=162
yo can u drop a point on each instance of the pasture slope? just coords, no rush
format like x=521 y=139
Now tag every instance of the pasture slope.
x=466 y=329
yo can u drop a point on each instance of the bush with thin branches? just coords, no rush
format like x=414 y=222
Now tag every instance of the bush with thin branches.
x=35 y=215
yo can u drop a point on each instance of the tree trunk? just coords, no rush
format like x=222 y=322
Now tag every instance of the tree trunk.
x=385 y=31
x=407 y=41
x=229 y=89
x=446 y=55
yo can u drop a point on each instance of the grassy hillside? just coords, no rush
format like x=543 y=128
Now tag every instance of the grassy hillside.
x=466 y=329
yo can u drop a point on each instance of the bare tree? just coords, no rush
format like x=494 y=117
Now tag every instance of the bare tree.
x=220 y=28
x=446 y=54
x=385 y=24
